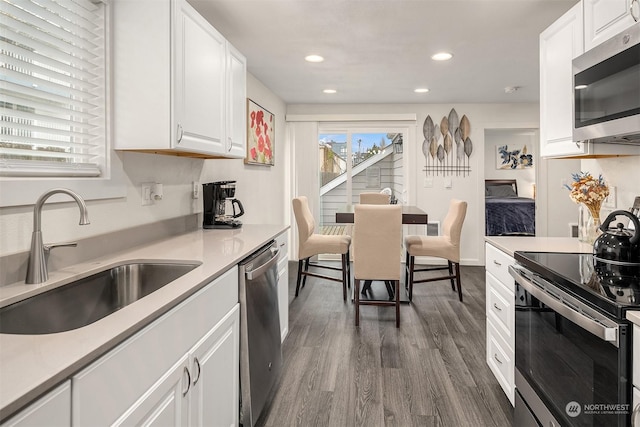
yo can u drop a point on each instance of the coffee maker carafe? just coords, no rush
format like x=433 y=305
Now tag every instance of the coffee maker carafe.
x=218 y=198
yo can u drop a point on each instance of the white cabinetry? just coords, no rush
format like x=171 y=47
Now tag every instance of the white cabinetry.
x=52 y=410
x=163 y=374
x=563 y=41
x=179 y=86
x=604 y=19
x=500 y=311
x=559 y=44
x=283 y=283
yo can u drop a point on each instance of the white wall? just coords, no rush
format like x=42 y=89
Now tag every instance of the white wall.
x=621 y=172
x=259 y=188
x=512 y=138
x=435 y=200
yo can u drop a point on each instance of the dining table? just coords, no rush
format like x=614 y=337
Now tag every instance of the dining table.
x=410 y=215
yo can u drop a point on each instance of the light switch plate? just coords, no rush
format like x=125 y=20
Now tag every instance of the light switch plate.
x=428 y=182
x=146 y=194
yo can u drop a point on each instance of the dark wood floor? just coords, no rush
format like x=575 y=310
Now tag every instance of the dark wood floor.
x=429 y=372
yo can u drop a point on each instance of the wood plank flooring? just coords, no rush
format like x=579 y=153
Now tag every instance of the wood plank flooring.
x=429 y=372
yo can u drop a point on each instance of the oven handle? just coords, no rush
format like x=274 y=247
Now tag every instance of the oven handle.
x=609 y=334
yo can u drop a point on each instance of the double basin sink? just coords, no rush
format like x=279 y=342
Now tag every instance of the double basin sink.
x=89 y=299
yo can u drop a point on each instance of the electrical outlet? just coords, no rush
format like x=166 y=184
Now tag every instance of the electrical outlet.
x=195 y=190
x=428 y=182
x=146 y=194
x=610 y=202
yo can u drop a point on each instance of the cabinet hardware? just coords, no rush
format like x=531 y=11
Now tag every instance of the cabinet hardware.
x=496 y=307
x=186 y=371
x=497 y=263
x=229 y=143
x=199 y=370
x=634 y=9
x=495 y=356
x=180 y=132
x=634 y=415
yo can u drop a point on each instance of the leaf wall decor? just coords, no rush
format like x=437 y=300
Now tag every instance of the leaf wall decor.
x=453 y=153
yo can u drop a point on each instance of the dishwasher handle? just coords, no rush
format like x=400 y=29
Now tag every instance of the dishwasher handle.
x=258 y=271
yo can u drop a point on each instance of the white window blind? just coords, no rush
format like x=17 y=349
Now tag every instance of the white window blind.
x=52 y=88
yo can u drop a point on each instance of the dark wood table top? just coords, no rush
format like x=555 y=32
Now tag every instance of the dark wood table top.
x=410 y=215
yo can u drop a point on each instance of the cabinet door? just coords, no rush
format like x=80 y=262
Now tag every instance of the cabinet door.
x=215 y=394
x=283 y=284
x=559 y=44
x=236 y=143
x=604 y=19
x=198 y=86
x=52 y=410
x=164 y=404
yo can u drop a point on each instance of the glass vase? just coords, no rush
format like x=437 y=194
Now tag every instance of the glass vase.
x=588 y=224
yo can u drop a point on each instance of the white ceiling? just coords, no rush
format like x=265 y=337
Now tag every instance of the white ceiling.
x=378 y=51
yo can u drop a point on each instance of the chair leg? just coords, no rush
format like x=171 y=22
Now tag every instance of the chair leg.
x=458 y=281
x=348 y=270
x=306 y=268
x=406 y=271
x=344 y=276
x=397 y=283
x=356 y=284
x=453 y=286
x=412 y=261
x=389 y=284
x=300 y=262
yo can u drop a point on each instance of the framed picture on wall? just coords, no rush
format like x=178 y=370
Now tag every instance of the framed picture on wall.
x=260 y=135
x=514 y=158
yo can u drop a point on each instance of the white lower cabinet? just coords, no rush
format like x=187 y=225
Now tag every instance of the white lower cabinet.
x=500 y=312
x=182 y=369
x=283 y=284
x=52 y=410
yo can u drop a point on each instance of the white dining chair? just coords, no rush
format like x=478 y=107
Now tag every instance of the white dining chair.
x=446 y=246
x=311 y=244
x=377 y=240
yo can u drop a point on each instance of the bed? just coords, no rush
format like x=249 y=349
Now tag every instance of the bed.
x=507 y=214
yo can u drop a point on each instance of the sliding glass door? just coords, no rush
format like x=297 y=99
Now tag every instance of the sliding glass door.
x=353 y=160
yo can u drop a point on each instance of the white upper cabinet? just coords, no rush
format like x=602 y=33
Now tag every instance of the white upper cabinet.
x=177 y=82
x=604 y=19
x=559 y=44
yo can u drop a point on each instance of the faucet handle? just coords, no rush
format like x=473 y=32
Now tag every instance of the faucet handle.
x=48 y=247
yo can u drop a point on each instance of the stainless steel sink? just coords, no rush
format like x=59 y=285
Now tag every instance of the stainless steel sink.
x=89 y=299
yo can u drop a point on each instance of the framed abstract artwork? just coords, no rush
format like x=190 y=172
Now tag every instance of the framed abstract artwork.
x=515 y=158
x=260 y=135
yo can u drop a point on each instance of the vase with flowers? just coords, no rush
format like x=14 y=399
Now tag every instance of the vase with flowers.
x=589 y=193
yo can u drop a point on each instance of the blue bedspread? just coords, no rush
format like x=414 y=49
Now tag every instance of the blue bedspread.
x=509 y=215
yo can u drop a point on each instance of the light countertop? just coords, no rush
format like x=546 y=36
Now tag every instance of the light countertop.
x=510 y=244
x=32 y=364
x=634 y=316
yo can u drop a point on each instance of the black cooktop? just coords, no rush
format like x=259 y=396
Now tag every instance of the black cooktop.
x=608 y=287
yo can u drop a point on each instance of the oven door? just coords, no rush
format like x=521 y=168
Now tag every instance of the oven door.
x=572 y=363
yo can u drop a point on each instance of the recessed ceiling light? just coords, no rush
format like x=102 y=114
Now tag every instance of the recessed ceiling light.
x=511 y=89
x=421 y=90
x=329 y=91
x=442 y=56
x=313 y=58
x=581 y=87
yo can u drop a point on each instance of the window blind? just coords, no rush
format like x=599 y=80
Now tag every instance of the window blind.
x=52 y=87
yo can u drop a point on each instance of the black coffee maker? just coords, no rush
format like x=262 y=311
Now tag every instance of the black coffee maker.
x=217 y=198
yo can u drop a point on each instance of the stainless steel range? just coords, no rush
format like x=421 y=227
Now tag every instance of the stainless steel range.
x=573 y=342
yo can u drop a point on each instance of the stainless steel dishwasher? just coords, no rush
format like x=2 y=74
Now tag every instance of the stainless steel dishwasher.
x=260 y=349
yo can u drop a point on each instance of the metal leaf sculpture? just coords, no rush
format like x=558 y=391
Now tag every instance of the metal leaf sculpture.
x=454 y=121
x=444 y=126
x=457 y=135
x=427 y=128
x=465 y=128
x=440 y=154
x=447 y=143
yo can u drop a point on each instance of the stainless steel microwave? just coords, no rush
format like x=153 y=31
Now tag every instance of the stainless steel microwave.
x=606 y=94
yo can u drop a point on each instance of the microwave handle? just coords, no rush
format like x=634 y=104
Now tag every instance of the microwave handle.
x=609 y=334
